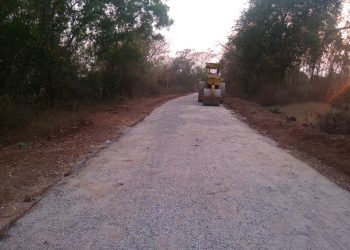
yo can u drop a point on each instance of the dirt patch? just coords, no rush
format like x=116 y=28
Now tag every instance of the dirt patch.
x=328 y=154
x=304 y=112
x=27 y=172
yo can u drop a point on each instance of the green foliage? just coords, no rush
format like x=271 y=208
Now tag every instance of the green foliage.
x=276 y=39
x=61 y=50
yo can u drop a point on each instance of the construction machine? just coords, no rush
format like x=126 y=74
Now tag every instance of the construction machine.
x=212 y=91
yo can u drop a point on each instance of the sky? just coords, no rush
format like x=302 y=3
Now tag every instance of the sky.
x=201 y=24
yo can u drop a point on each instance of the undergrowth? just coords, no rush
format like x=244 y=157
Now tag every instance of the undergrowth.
x=21 y=125
x=335 y=122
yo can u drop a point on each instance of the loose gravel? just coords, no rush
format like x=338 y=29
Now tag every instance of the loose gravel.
x=189 y=177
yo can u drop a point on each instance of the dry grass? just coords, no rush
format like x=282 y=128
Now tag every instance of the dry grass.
x=306 y=112
x=23 y=126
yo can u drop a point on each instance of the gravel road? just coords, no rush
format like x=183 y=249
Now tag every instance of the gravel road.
x=189 y=177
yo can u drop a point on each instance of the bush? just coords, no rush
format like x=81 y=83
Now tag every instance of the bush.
x=275 y=110
x=335 y=122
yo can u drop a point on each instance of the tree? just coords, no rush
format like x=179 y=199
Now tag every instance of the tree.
x=51 y=49
x=273 y=37
x=123 y=37
x=187 y=68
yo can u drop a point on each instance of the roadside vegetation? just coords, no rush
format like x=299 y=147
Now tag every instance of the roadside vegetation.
x=59 y=59
x=285 y=52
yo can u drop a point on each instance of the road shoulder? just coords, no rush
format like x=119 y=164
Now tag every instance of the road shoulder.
x=27 y=173
x=327 y=154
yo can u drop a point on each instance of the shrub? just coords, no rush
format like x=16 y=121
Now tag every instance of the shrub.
x=335 y=122
x=275 y=110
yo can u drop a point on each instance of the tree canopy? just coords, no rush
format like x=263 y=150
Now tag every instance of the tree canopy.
x=275 y=38
x=60 y=49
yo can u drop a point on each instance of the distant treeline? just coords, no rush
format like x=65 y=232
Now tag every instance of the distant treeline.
x=289 y=50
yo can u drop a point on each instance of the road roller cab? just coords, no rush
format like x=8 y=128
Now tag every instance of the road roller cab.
x=211 y=92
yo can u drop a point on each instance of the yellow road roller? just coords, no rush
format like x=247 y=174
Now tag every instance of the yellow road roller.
x=212 y=91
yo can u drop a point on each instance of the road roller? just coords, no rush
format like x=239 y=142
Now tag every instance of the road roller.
x=212 y=91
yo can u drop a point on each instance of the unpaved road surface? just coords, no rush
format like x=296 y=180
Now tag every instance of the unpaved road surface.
x=187 y=177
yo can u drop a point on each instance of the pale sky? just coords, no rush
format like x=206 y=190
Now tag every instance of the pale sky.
x=201 y=24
